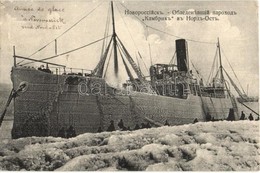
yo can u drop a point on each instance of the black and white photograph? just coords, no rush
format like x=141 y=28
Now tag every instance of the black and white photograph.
x=127 y=85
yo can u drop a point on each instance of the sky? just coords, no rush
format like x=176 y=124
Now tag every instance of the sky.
x=238 y=35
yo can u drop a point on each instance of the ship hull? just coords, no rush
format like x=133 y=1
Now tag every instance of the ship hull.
x=50 y=103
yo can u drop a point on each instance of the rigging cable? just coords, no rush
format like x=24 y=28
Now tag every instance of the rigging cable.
x=149 y=48
x=126 y=67
x=131 y=61
x=173 y=58
x=167 y=32
x=197 y=71
x=191 y=40
x=131 y=37
x=66 y=30
x=212 y=67
x=143 y=61
x=100 y=66
x=217 y=73
x=74 y=49
x=234 y=85
x=138 y=65
x=151 y=59
x=105 y=34
x=233 y=70
x=110 y=55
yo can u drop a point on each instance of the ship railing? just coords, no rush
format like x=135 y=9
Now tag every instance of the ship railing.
x=35 y=60
x=186 y=91
x=214 y=95
x=55 y=68
x=71 y=71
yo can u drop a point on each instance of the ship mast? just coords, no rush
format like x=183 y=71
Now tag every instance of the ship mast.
x=221 y=67
x=114 y=40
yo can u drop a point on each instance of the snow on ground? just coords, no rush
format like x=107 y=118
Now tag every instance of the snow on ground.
x=212 y=146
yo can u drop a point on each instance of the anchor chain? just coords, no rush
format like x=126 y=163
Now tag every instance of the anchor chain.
x=14 y=93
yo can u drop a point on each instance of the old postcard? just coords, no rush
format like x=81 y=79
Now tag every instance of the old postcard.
x=129 y=85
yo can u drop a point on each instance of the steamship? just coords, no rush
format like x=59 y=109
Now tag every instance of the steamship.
x=48 y=100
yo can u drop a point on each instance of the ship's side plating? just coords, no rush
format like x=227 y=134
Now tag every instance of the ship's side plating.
x=51 y=102
x=47 y=103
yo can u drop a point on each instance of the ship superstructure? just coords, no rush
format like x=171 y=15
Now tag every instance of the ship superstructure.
x=49 y=100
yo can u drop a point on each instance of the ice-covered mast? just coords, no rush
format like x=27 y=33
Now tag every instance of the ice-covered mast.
x=117 y=44
x=114 y=40
x=220 y=62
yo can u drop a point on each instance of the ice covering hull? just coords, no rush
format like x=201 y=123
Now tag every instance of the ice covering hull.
x=50 y=103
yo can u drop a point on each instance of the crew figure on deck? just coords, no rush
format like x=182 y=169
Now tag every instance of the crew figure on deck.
x=195 y=121
x=111 y=127
x=208 y=117
x=143 y=126
x=71 y=132
x=47 y=70
x=251 y=117
x=121 y=125
x=99 y=130
x=231 y=115
x=137 y=127
x=61 y=133
x=148 y=125
x=243 y=116
x=167 y=123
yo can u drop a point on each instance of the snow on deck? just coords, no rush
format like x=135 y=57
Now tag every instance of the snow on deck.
x=212 y=146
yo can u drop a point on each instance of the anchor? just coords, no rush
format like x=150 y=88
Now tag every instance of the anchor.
x=14 y=93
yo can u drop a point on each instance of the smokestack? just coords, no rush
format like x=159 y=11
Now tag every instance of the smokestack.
x=182 y=58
